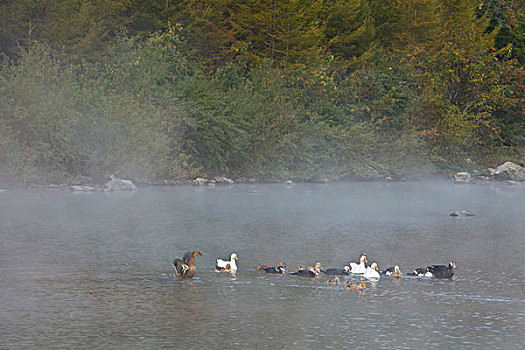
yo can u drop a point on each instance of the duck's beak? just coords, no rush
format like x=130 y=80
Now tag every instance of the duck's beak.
x=365 y=260
x=376 y=267
x=199 y=253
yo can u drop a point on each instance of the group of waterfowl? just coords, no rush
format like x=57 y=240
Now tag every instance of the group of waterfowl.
x=185 y=268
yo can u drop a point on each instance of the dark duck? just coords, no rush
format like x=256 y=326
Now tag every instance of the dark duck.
x=280 y=268
x=185 y=267
x=419 y=271
x=441 y=271
x=308 y=271
x=337 y=271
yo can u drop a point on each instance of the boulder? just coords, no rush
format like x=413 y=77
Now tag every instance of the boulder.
x=221 y=180
x=463 y=177
x=509 y=171
x=116 y=184
x=200 y=181
x=80 y=188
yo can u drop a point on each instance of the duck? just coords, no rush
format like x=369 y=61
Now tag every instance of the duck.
x=280 y=268
x=317 y=267
x=308 y=271
x=396 y=273
x=334 y=281
x=360 y=286
x=227 y=266
x=372 y=272
x=185 y=267
x=361 y=267
x=462 y=214
x=337 y=271
x=441 y=271
x=418 y=271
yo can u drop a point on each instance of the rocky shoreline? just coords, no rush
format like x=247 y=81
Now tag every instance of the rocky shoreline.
x=509 y=172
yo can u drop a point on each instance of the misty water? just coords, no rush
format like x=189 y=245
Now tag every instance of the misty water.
x=57 y=246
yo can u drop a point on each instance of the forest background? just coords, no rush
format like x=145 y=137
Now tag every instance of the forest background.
x=163 y=90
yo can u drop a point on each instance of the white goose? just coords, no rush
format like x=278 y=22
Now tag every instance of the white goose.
x=371 y=272
x=227 y=266
x=361 y=267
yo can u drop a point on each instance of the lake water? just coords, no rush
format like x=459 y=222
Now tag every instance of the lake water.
x=56 y=246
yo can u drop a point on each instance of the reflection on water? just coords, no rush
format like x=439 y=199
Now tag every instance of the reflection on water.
x=94 y=269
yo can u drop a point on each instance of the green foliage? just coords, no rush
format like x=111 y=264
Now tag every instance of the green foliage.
x=278 y=89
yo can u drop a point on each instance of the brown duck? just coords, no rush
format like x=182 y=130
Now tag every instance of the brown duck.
x=185 y=267
x=360 y=286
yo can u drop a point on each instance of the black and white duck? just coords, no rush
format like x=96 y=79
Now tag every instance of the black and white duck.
x=227 y=266
x=280 y=268
x=337 y=271
x=441 y=271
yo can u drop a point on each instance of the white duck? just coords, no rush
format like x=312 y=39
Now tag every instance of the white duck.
x=371 y=272
x=227 y=266
x=361 y=267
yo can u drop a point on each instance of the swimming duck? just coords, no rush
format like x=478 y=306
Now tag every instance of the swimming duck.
x=441 y=271
x=280 y=268
x=337 y=271
x=334 y=281
x=396 y=273
x=371 y=272
x=418 y=271
x=308 y=271
x=227 y=266
x=360 y=286
x=361 y=267
x=185 y=267
x=317 y=267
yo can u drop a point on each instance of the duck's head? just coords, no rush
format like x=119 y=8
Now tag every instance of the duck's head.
x=233 y=257
x=362 y=285
x=317 y=266
x=281 y=264
x=374 y=266
x=196 y=252
x=281 y=268
x=363 y=258
x=396 y=269
x=347 y=269
x=452 y=265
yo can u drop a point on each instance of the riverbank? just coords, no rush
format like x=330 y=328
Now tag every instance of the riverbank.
x=509 y=172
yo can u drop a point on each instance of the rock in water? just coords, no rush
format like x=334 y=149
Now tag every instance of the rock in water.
x=463 y=177
x=462 y=214
x=116 y=184
x=510 y=171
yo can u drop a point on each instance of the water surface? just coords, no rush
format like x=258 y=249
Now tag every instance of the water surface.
x=57 y=246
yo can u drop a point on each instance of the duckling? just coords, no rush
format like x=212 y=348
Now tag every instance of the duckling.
x=334 y=281
x=185 y=267
x=360 y=286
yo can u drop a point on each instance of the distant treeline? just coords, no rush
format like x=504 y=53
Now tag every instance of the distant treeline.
x=165 y=90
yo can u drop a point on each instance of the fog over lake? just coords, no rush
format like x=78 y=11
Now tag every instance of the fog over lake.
x=94 y=270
